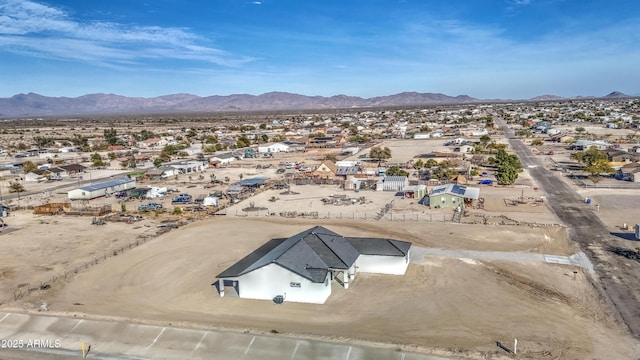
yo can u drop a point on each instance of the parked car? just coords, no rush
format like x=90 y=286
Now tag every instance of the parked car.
x=182 y=199
x=150 y=207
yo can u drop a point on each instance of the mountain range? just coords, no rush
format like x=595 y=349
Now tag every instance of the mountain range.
x=29 y=105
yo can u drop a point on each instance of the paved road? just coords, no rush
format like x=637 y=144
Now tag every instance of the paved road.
x=420 y=254
x=618 y=275
x=61 y=338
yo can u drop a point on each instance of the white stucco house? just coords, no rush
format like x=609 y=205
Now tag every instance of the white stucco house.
x=274 y=148
x=301 y=268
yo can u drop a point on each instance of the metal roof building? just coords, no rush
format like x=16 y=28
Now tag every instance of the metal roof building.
x=101 y=189
x=452 y=195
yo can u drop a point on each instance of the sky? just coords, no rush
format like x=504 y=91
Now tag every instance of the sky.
x=487 y=49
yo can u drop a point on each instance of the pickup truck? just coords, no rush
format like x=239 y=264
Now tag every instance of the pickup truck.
x=182 y=199
x=150 y=207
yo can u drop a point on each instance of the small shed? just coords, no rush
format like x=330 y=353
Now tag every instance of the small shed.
x=415 y=191
x=394 y=183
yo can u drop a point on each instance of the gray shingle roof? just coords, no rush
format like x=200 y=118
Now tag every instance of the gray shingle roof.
x=312 y=253
x=378 y=246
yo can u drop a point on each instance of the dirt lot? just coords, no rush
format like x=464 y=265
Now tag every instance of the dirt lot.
x=452 y=305
x=446 y=306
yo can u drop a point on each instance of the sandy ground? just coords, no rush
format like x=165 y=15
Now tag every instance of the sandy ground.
x=461 y=307
x=452 y=305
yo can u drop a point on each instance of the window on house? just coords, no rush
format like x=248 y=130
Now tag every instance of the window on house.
x=453 y=200
x=295 y=284
x=443 y=200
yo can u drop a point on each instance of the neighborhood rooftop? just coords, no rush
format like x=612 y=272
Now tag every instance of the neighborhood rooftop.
x=314 y=252
x=106 y=184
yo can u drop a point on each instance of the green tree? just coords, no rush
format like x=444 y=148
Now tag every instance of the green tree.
x=29 y=166
x=595 y=161
x=418 y=164
x=599 y=167
x=243 y=141
x=209 y=149
x=524 y=133
x=444 y=170
x=157 y=162
x=589 y=156
x=537 y=142
x=16 y=187
x=97 y=161
x=111 y=136
x=79 y=140
x=278 y=138
x=331 y=157
x=144 y=135
x=112 y=156
x=508 y=166
x=380 y=153
x=42 y=141
x=396 y=171
x=484 y=140
x=317 y=135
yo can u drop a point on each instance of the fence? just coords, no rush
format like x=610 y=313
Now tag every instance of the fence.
x=608 y=185
x=347 y=215
x=26 y=289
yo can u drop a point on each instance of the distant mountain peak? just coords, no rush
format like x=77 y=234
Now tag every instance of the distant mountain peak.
x=617 y=94
x=23 y=105
x=546 y=98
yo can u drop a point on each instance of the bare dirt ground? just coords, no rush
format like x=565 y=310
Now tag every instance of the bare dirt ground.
x=455 y=307
x=458 y=306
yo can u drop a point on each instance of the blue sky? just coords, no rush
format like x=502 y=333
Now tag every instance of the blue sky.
x=482 y=48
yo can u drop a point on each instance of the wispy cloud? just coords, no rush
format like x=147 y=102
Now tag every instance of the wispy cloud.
x=256 y=2
x=36 y=29
x=519 y=2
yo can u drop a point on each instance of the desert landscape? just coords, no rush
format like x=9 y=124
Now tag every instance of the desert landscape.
x=472 y=283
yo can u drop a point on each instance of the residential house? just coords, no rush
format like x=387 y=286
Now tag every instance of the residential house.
x=452 y=196
x=273 y=148
x=73 y=169
x=222 y=159
x=152 y=143
x=326 y=170
x=629 y=172
x=301 y=268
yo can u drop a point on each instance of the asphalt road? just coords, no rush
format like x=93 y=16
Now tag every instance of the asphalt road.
x=31 y=336
x=618 y=275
